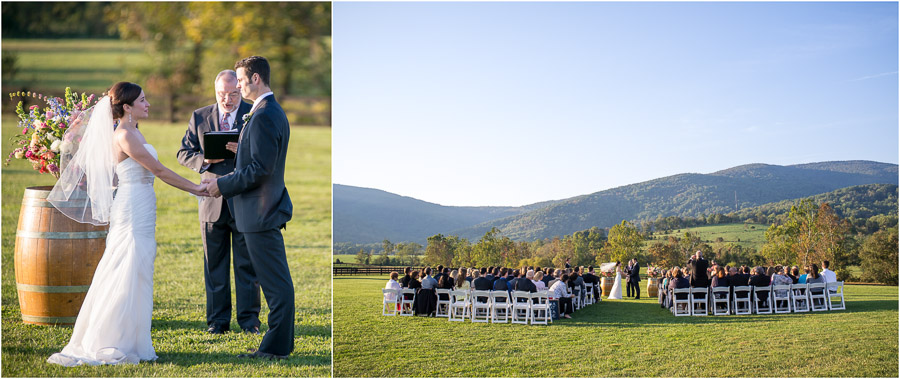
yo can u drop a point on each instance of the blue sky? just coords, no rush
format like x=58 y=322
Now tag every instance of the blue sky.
x=515 y=103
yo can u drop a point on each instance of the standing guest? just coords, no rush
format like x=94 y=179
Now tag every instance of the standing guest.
x=567 y=263
x=830 y=276
x=698 y=267
x=538 y=282
x=565 y=300
x=406 y=277
x=461 y=282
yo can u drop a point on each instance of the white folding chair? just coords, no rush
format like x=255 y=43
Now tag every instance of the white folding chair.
x=721 y=300
x=521 y=307
x=576 y=300
x=818 y=300
x=459 y=305
x=699 y=304
x=443 y=302
x=742 y=301
x=481 y=306
x=781 y=298
x=836 y=291
x=799 y=298
x=540 y=308
x=500 y=306
x=389 y=307
x=685 y=302
x=407 y=299
x=589 y=295
x=762 y=300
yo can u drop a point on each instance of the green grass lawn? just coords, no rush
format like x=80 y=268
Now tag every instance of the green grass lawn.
x=747 y=235
x=179 y=321
x=624 y=338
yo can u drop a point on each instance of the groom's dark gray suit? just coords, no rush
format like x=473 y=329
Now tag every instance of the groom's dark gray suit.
x=262 y=207
x=218 y=227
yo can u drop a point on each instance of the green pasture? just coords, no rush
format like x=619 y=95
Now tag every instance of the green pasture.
x=747 y=235
x=179 y=321
x=86 y=65
x=624 y=338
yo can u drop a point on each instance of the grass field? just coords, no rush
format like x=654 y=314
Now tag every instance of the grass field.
x=179 y=321
x=624 y=338
x=746 y=235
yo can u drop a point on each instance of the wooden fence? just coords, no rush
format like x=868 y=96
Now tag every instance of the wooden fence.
x=365 y=270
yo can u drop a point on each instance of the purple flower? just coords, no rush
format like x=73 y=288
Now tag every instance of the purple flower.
x=52 y=167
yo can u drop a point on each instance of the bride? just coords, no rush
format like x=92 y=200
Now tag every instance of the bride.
x=113 y=325
x=616 y=292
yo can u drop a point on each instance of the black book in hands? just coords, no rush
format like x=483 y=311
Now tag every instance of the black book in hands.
x=214 y=144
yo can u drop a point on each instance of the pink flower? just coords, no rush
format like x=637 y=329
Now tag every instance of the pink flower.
x=29 y=154
x=25 y=131
x=33 y=107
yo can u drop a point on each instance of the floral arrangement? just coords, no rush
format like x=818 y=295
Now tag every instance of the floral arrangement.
x=41 y=139
x=607 y=274
x=654 y=272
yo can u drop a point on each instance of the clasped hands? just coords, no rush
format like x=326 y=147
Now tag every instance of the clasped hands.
x=209 y=188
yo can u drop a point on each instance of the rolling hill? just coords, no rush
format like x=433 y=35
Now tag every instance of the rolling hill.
x=367 y=215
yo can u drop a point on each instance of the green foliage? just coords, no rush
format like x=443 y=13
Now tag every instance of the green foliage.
x=624 y=242
x=55 y=20
x=879 y=257
x=618 y=338
x=810 y=234
x=179 y=325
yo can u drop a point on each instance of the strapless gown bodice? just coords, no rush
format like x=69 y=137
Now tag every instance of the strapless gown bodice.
x=130 y=171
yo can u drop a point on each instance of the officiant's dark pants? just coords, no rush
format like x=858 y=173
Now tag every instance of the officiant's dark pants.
x=218 y=240
x=270 y=263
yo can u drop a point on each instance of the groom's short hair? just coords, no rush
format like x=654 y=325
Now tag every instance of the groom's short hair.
x=255 y=65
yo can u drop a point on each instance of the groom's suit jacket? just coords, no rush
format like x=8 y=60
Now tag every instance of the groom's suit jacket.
x=260 y=199
x=190 y=155
x=635 y=275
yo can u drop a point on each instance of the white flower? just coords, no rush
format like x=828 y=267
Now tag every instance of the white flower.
x=54 y=147
x=52 y=137
x=65 y=146
x=20 y=154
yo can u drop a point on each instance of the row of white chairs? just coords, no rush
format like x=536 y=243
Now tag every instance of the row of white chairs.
x=718 y=301
x=518 y=307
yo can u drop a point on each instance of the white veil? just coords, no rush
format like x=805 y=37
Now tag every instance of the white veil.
x=84 y=191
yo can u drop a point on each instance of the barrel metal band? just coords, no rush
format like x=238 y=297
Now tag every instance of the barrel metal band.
x=51 y=289
x=62 y=235
x=48 y=320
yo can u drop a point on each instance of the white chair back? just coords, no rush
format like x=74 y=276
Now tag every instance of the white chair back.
x=818 y=300
x=781 y=298
x=836 y=291
x=742 y=300
x=721 y=297
x=389 y=302
x=681 y=307
x=799 y=298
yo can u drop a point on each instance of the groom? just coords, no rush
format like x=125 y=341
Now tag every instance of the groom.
x=261 y=202
x=635 y=279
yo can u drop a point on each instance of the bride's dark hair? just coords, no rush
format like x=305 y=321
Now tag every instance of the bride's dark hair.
x=120 y=94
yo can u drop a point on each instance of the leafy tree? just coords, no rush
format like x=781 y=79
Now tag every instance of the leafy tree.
x=879 y=256
x=487 y=251
x=624 y=242
x=361 y=257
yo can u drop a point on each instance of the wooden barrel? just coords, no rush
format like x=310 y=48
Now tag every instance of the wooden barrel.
x=607 y=284
x=55 y=260
x=652 y=287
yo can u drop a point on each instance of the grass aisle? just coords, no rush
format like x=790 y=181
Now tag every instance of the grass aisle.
x=624 y=338
x=178 y=331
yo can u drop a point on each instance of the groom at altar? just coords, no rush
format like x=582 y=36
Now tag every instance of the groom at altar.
x=261 y=203
x=220 y=234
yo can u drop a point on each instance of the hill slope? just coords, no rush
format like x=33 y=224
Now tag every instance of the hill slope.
x=364 y=215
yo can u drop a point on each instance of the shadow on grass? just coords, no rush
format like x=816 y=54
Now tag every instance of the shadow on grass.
x=192 y=359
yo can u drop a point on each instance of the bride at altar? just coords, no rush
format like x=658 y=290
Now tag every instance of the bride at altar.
x=616 y=292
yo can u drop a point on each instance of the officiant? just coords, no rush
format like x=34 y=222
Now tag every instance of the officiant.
x=219 y=232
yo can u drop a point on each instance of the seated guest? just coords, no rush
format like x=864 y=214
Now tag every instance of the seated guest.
x=815 y=277
x=469 y=276
x=678 y=281
x=719 y=279
x=794 y=275
x=780 y=279
x=802 y=278
x=414 y=282
x=538 y=282
x=559 y=290
x=428 y=282
x=500 y=284
x=591 y=277
x=548 y=277
x=481 y=283
x=761 y=280
x=426 y=299
x=490 y=274
x=495 y=276
x=740 y=278
x=438 y=274
x=554 y=275
x=511 y=283
x=830 y=276
x=524 y=283
x=406 y=277
x=394 y=285
x=461 y=282
x=446 y=282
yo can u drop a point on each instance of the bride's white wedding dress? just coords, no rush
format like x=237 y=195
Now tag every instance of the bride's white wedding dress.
x=616 y=292
x=113 y=325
